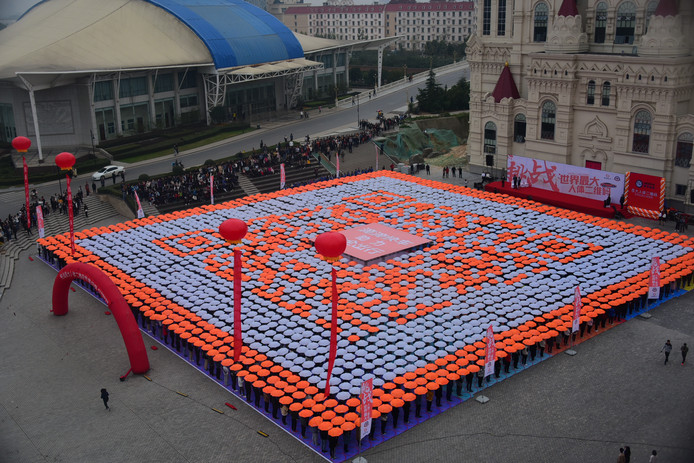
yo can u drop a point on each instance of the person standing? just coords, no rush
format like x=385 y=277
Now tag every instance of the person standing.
x=104 y=397
x=621 y=458
x=627 y=453
x=684 y=349
x=86 y=211
x=667 y=348
x=654 y=457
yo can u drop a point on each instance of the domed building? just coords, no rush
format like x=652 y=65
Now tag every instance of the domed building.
x=73 y=72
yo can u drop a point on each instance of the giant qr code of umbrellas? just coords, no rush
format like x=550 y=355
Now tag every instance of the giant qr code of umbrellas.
x=417 y=317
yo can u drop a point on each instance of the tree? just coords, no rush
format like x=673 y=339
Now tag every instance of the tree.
x=458 y=97
x=431 y=97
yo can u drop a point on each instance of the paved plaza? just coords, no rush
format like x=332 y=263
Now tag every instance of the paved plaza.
x=614 y=392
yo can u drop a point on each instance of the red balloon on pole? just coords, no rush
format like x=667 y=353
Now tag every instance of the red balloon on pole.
x=21 y=144
x=233 y=230
x=331 y=245
x=65 y=160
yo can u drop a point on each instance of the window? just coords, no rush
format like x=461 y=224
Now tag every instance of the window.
x=163 y=83
x=606 y=94
x=132 y=87
x=188 y=100
x=683 y=155
x=519 y=128
x=103 y=90
x=541 y=16
x=642 y=132
x=549 y=119
x=590 y=94
x=501 y=18
x=600 y=22
x=650 y=9
x=487 y=17
x=490 y=138
x=626 y=22
x=188 y=79
x=680 y=190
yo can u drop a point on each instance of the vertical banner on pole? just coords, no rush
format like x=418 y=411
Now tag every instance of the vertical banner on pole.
x=654 y=279
x=238 y=341
x=283 y=177
x=577 y=310
x=489 y=352
x=376 y=156
x=212 y=189
x=333 y=333
x=26 y=191
x=366 y=397
x=140 y=212
x=70 y=215
x=39 y=221
x=337 y=163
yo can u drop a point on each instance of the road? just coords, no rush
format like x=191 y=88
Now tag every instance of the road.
x=339 y=119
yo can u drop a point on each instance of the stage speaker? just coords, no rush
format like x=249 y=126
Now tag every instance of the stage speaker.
x=490 y=160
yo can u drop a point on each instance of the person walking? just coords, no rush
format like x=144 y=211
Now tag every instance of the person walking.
x=667 y=348
x=654 y=457
x=684 y=349
x=104 y=397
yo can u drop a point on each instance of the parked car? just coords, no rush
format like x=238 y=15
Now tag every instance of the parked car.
x=107 y=172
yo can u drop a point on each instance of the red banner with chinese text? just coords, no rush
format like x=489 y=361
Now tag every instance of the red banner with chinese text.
x=26 y=190
x=644 y=194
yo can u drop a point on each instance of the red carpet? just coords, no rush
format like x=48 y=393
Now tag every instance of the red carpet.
x=574 y=203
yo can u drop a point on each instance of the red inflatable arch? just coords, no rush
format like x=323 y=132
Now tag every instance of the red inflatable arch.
x=109 y=292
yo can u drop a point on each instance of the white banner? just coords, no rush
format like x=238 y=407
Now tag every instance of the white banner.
x=576 y=322
x=366 y=397
x=489 y=352
x=565 y=178
x=39 y=221
x=654 y=279
x=140 y=212
x=211 y=189
x=376 y=156
x=337 y=164
x=283 y=177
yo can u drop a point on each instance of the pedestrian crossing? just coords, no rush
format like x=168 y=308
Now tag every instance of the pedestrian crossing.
x=55 y=223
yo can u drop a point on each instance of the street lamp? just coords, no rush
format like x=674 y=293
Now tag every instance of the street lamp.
x=65 y=161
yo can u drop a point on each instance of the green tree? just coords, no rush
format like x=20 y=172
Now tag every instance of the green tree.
x=458 y=96
x=431 y=97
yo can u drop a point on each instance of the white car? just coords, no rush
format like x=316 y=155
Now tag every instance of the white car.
x=107 y=172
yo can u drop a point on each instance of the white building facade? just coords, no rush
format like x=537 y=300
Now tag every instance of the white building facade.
x=606 y=84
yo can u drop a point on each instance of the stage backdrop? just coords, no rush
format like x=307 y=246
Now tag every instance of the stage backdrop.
x=645 y=194
x=565 y=178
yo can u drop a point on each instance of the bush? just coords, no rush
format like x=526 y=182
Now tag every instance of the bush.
x=143 y=178
x=210 y=163
x=177 y=169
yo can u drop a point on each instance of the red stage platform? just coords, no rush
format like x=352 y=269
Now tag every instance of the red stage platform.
x=574 y=203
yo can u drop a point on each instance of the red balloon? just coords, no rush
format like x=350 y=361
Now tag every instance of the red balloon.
x=331 y=244
x=233 y=230
x=65 y=161
x=21 y=144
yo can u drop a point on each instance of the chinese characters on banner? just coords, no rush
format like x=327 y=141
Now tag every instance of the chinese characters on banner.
x=489 y=352
x=366 y=397
x=645 y=194
x=565 y=178
x=577 y=310
x=39 y=221
x=140 y=212
x=211 y=189
x=654 y=279
x=283 y=177
x=373 y=240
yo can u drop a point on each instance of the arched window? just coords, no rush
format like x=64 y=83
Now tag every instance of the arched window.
x=549 y=119
x=683 y=155
x=626 y=23
x=642 y=132
x=541 y=17
x=650 y=9
x=600 y=22
x=490 y=138
x=590 y=93
x=519 y=128
x=606 y=87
